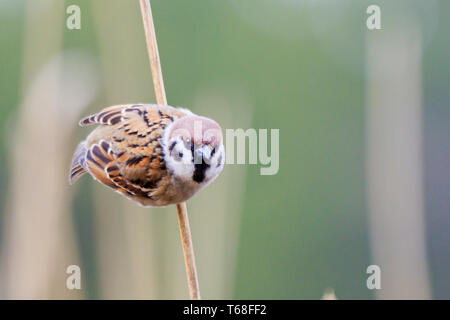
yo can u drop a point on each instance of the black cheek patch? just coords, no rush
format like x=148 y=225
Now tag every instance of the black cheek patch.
x=219 y=162
x=172 y=145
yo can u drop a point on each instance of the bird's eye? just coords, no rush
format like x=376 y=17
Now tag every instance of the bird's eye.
x=180 y=154
x=187 y=143
x=213 y=151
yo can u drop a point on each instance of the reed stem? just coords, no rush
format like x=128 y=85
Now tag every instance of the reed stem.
x=158 y=82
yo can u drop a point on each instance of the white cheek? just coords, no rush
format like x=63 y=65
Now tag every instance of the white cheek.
x=181 y=170
x=182 y=167
x=187 y=157
x=216 y=167
x=221 y=157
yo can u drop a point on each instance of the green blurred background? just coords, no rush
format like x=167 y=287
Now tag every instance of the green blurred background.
x=311 y=69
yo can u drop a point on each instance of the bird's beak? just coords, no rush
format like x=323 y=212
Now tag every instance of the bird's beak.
x=202 y=154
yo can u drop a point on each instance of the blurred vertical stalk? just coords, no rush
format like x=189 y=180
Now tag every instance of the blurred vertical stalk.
x=31 y=238
x=394 y=162
x=39 y=241
x=160 y=92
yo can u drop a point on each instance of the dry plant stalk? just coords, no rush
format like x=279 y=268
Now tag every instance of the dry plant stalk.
x=183 y=220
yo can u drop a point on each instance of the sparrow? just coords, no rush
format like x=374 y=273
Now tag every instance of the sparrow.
x=156 y=155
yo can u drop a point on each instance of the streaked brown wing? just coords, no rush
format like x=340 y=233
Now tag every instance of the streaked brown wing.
x=107 y=116
x=148 y=112
x=132 y=160
x=106 y=168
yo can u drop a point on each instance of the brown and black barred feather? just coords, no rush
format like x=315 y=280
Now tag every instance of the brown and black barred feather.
x=124 y=152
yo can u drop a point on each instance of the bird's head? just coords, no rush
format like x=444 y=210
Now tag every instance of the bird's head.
x=194 y=150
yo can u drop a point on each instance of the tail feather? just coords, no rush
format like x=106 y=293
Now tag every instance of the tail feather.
x=77 y=169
